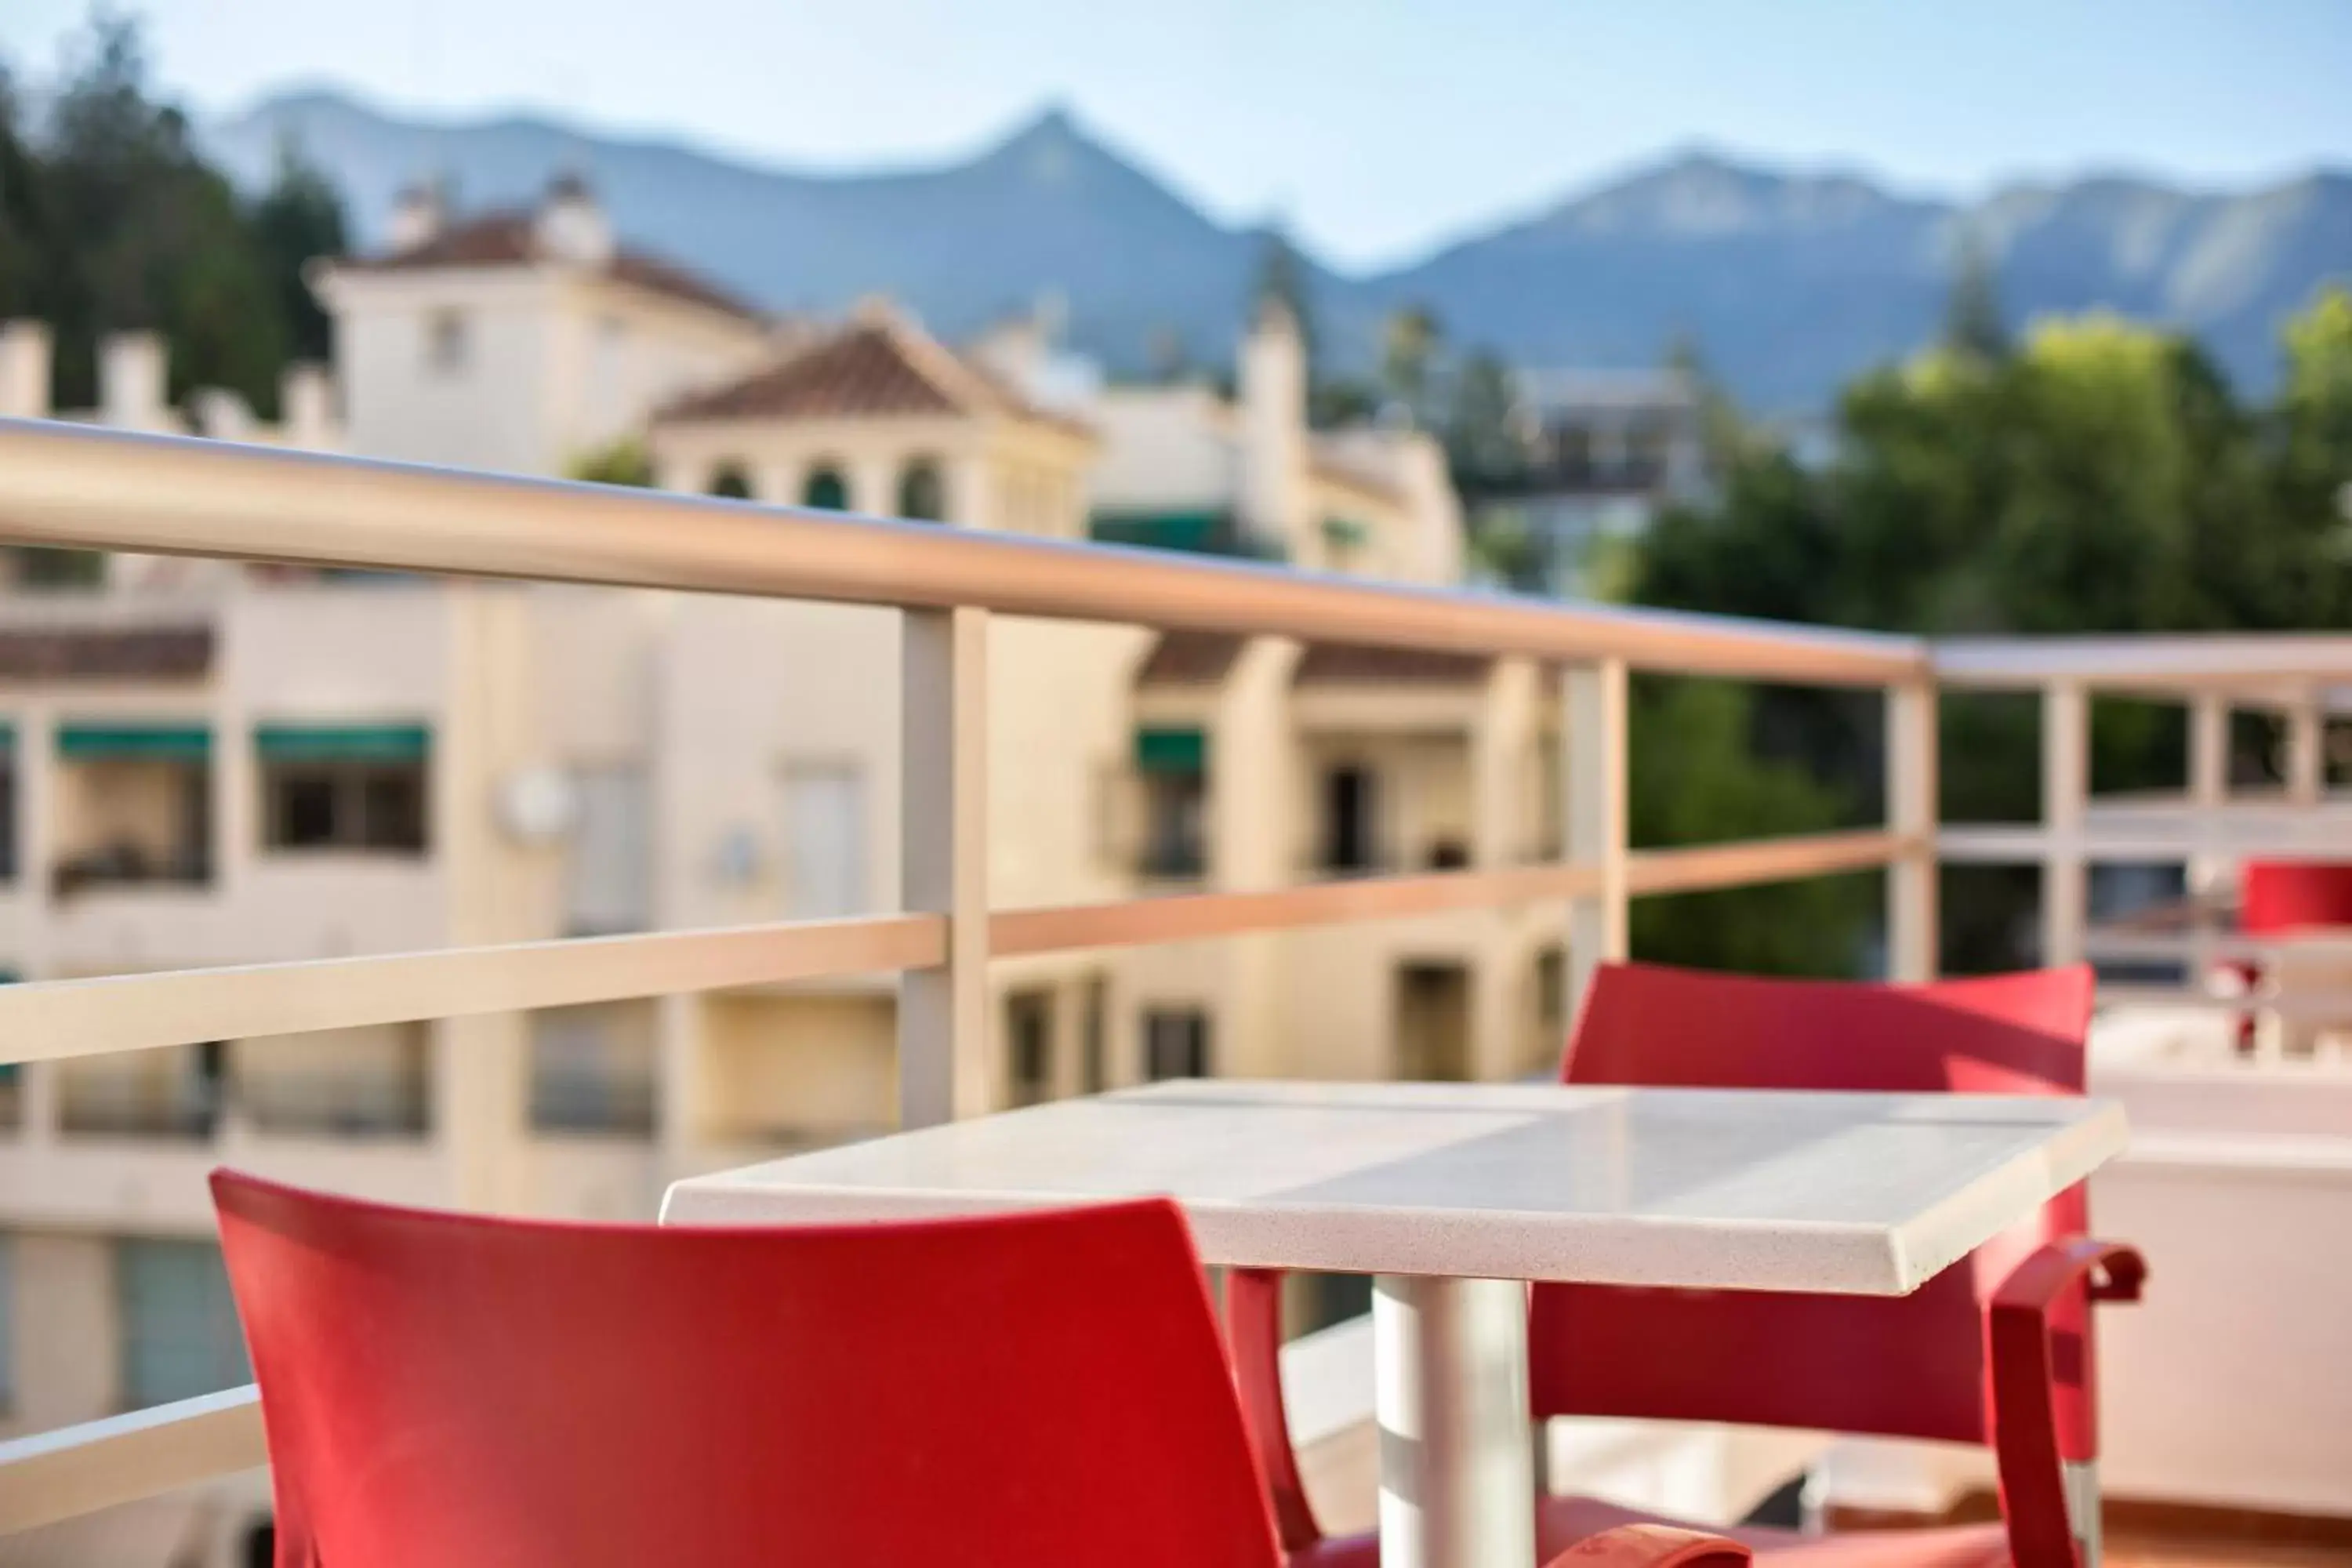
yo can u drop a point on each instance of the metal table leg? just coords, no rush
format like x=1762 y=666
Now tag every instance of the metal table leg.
x=1457 y=1481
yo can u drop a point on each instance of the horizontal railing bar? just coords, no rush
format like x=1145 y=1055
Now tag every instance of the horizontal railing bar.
x=2178 y=662
x=2315 y=1003
x=1708 y=867
x=105 y=490
x=75 y=1470
x=1189 y=916
x=50 y=1019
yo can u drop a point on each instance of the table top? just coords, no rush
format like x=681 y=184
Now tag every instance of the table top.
x=1848 y=1193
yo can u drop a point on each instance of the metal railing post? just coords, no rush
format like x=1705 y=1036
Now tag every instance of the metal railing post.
x=2065 y=791
x=1912 y=928
x=945 y=1060
x=2307 y=751
x=1593 y=731
x=2209 y=793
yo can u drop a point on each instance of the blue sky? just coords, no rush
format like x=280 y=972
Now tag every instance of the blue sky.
x=1377 y=129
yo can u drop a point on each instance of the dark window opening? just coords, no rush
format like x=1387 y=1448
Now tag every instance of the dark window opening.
x=345 y=806
x=922 y=492
x=825 y=489
x=1029 y=1046
x=732 y=481
x=1348 y=837
x=1175 y=1043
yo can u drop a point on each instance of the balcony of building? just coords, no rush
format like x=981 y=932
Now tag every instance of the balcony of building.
x=566 y=1075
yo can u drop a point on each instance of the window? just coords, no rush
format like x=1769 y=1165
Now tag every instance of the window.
x=608 y=876
x=1349 y=836
x=824 y=842
x=1028 y=1047
x=353 y=786
x=592 y=1068
x=1094 y=1028
x=1175 y=1043
x=731 y=481
x=7 y=1323
x=825 y=487
x=135 y=803
x=178 y=1322
x=7 y=804
x=922 y=493
x=447 y=341
x=1174 y=766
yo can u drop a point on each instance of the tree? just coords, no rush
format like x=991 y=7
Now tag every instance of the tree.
x=1410 y=341
x=2313 y=439
x=299 y=220
x=1973 y=322
x=111 y=221
x=1482 y=441
x=21 y=218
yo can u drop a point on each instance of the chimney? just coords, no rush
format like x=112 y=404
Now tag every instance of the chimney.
x=130 y=382
x=417 y=215
x=24 y=370
x=306 y=405
x=571 y=225
x=1272 y=396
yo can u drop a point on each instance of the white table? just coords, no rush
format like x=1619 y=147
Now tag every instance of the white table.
x=1455 y=1194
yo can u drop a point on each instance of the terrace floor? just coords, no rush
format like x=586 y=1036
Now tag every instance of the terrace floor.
x=1342 y=1474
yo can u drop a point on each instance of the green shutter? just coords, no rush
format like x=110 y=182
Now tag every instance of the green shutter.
x=1171 y=751
x=7 y=737
x=343 y=743
x=118 y=742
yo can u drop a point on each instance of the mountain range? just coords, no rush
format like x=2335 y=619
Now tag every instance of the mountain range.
x=1787 y=282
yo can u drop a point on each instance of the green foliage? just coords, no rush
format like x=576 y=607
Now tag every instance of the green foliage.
x=1411 y=341
x=2098 y=477
x=111 y=221
x=623 y=462
x=1481 y=446
x=1691 y=778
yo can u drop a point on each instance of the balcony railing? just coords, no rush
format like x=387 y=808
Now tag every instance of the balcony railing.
x=86 y=489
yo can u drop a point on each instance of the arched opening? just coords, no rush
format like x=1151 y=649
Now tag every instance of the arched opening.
x=825 y=487
x=922 y=491
x=733 y=481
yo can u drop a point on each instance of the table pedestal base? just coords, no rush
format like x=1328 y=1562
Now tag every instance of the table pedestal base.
x=1457 y=1481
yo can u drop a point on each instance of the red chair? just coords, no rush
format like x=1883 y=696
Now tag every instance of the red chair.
x=1996 y=1350
x=1037 y=1389
x=2275 y=897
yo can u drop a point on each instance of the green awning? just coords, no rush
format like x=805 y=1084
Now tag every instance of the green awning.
x=343 y=743
x=1171 y=751
x=1201 y=533
x=124 y=743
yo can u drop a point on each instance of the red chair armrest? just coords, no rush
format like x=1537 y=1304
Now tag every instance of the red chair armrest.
x=1653 y=1546
x=1254 y=1333
x=2025 y=1415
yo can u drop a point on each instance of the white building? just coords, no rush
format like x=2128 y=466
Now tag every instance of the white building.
x=520 y=341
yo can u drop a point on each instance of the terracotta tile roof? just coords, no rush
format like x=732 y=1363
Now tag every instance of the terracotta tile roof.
x=872 y=367
x=1339 y=663
x=509 y=238
x=860 y=371
x=158 y=653
x=1189 y=658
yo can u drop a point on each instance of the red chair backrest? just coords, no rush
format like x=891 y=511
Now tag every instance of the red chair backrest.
x=2288 y=895
x=451 y=1389
x=1910 y=1366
